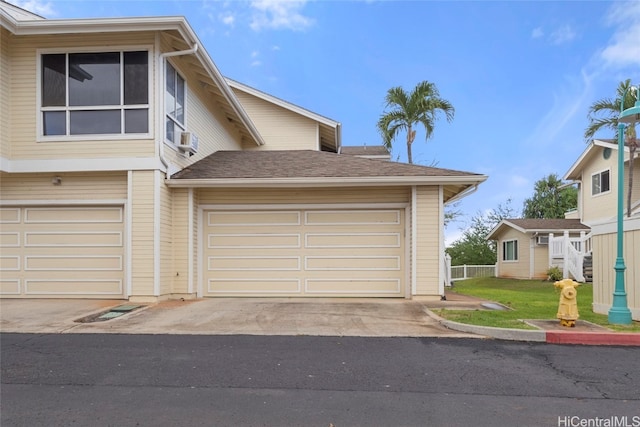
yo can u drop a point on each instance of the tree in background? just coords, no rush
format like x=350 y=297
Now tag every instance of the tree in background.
x=473 y=248
x=406 y=110
x=549 y=199
x=604 y=114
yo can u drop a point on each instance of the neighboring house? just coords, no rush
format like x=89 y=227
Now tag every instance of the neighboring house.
x=595 y=173
x=523 y=246
x=130 y=168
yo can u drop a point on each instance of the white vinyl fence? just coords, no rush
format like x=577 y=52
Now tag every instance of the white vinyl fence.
x=461 y=272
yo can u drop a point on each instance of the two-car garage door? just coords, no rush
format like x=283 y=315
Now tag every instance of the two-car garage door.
x=304 y=252
x=72 y=251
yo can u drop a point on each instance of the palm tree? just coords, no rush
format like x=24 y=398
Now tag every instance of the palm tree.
x=604 y=114
x=405 y=110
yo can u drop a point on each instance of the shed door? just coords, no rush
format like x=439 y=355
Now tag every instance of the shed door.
x=62 y=252
x=312 y=253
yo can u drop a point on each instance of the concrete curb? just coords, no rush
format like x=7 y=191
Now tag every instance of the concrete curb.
x=551 y=337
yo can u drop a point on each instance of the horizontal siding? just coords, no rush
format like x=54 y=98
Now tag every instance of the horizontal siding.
x=205 y=117
x=601 y=206
x=305 y=195
x=166 y=241
x=428 y=234
x=180 y=244
x=74 y=186
x=281 y=129
x=23 y=131
x=514 y=269
x=142 y=233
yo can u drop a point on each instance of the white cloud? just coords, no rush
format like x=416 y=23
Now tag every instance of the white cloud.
x=537 y=33
x=279 y=14
x=624 y=47
x=562 y=35
x=228 y=19
x=39 y=7
x=256 y=63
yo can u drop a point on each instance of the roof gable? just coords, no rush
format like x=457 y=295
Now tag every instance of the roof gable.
x=537 y=225
x=593 y=148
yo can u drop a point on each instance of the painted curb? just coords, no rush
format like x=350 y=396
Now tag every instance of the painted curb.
x=593 y=338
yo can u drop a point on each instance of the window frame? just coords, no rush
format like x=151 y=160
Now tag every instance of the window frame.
x=600 y=173
x=166 y=116
x=515 y=250
x=41 y=137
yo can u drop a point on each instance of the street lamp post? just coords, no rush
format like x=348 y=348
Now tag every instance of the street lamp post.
x=619 y=312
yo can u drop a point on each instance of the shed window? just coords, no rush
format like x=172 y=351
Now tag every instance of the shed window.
x=510 y=250
x=600 y=183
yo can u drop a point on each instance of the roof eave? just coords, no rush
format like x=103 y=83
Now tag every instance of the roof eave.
x=323 y=182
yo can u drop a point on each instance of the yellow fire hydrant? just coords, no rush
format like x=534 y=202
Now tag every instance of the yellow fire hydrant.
x=568 y=307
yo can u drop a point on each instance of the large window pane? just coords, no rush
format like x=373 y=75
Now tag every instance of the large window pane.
x=95 y=122
x=170 y=130
x=53 y=80
x=136 y=78
x=604 y=184
x=180 y=99
x=94 y=79
x=54 y=122
x=136 y=121
x=170 y=92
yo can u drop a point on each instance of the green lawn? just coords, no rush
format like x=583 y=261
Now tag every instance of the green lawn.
x=528 y=299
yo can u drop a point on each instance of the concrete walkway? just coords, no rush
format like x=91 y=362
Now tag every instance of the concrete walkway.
x=230 y=316
x=289 y=316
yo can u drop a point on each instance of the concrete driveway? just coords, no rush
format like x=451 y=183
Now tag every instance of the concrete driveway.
x=230 y=316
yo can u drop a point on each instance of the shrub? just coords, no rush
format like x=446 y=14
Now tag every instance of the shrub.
x=554 y=274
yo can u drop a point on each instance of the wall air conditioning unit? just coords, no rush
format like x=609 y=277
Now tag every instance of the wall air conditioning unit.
x=188 y=142
x=542 y=240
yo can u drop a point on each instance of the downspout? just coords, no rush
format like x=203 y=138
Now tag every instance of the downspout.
x=163 y=56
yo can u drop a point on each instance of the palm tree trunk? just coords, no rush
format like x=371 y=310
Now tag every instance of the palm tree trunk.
x=409 y=142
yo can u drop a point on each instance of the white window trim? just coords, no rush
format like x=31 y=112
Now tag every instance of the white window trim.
x=183 y=126
x=600 y=173
x=40 y=137
x=517 y=255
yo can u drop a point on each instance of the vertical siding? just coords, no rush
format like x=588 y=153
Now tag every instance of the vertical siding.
x=74 y=186
x=515 y=269
x=142 y=233
x=281 y=129
x=23 y=129
x=604 y=255
x=428 y=234
x=5 y=92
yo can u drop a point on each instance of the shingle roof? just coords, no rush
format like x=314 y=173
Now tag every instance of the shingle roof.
x=548 y=224
x=364 y=150
x=305 y=164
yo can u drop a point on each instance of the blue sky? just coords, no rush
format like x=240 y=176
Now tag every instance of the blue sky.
x=521 y=74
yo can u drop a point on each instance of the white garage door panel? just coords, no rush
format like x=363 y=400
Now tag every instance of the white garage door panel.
x=341 y=252
x=75 y=251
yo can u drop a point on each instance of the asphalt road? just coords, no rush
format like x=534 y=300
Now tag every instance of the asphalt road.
x=175 y=380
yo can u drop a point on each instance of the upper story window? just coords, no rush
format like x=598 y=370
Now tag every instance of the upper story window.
x=175 y=91
x=600 y=182
x=95 y=93
x=510 y=250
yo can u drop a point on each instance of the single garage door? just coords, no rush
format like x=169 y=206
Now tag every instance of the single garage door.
x=62 y=252
x=308 y=252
